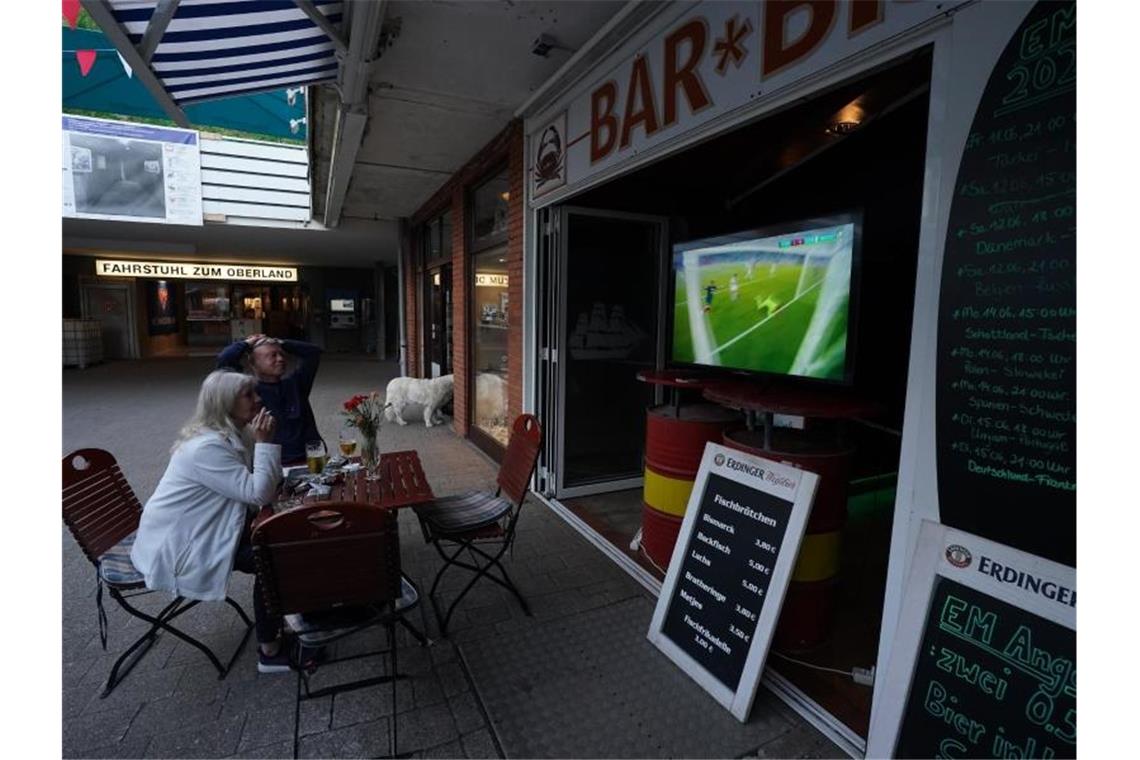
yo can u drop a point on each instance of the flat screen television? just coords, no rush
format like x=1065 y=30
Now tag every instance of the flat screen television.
x=778 y=300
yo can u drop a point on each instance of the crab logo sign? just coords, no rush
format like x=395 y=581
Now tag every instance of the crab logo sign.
x=549 y=156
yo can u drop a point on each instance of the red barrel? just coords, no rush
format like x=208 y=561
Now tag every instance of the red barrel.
x=808 y=613
x=674 y=444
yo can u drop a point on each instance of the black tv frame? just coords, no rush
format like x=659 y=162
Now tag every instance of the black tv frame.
x=848 y=216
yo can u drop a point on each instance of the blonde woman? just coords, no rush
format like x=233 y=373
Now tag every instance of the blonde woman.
x=193 y=530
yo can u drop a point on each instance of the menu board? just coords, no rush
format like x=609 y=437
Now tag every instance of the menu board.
x=984 y=663
x=131 y=172
x=1006 y=405
x=729 y=570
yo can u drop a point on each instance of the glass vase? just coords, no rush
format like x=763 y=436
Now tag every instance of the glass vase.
x=370 y=456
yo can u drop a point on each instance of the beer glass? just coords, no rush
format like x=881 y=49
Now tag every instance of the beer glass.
x=347 y=442
x=316 y=455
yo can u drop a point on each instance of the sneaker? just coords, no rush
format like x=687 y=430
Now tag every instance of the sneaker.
x=278 y=663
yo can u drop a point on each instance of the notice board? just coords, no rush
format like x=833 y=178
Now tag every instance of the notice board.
x=131 y=172
x=984 y=662
x=730 y=568
x=1007 y=370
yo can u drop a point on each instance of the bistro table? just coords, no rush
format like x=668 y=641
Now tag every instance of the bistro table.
x=401 y=484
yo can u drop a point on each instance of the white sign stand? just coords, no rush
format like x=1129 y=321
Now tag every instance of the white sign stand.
x=1033 y=584
x=715 y=627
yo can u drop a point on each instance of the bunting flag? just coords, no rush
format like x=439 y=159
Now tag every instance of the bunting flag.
x=126 y=66
x=71 y=12
x=86 y=60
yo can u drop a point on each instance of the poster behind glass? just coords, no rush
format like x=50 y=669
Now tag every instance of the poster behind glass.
x=132 y=172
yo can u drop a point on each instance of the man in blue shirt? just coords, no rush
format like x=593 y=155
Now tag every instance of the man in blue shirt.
x=284 y=393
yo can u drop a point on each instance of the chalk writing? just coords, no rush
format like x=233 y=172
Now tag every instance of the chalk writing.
x=990 y=680
x=1006 y=406
x=724 y=580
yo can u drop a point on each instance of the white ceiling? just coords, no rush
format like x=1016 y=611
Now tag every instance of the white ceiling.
x=443 y=88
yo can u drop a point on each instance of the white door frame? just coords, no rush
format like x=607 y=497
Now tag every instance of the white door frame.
x=562 y=254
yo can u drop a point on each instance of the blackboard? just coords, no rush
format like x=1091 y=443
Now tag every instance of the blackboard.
x=729 y=570
x=983 y=662
x=1006 y=398
x=725 y=575
x=991 y=680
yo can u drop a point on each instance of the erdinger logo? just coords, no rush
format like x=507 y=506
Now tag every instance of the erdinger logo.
x=958 y=556
x=719 y=460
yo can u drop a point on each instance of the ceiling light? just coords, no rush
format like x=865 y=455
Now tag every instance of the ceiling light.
x=848 y=119
x=843 y=127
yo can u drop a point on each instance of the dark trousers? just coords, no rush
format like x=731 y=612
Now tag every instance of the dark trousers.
x=268 y=627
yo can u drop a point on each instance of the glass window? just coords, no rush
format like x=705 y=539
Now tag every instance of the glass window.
x=490 y=308
x=207 y=302
x=445 y=234
x=435 y=239
x=490 y=204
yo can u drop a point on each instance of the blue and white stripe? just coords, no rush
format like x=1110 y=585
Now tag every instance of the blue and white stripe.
x=217 y=48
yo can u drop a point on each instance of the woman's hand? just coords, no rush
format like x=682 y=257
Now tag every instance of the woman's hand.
x=263 y=426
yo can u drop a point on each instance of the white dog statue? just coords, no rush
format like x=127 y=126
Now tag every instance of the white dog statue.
x=432 y=394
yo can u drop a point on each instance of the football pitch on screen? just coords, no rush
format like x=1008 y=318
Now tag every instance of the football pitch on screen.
x=761 y=323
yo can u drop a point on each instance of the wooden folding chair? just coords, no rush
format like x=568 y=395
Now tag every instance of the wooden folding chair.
x=331 y=570
x=480 y=524
x=102 y=513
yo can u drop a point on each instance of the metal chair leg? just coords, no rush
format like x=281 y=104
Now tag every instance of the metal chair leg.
x=391 y=628
x=147 y=639
x=297 y=702
x=173 y=610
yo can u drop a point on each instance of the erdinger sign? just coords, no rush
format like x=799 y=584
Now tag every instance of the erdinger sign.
x=712 y=59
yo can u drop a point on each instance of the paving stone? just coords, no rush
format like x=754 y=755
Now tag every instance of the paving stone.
x=479 y=744
x=442 y=651
x=359 y=740
x=368 y=704
x=427 y=691
x=488 y=616
x=425 y=727
x=276 y=750
x=219 y=740
x=452 y=678
x=91 y=730
x=449 y=750
x=267 y=726
x=128 y=748
x=264 y=690
x=136 y=688
x=800 y=741
x=163 y=716
x=466 y=712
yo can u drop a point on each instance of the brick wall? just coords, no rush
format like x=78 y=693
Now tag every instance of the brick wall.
x=516 y=172
x=412 y=308
x=506 y=147
x=460 y=273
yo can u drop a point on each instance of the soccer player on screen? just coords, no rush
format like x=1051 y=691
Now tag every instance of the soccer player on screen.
x=709 y=290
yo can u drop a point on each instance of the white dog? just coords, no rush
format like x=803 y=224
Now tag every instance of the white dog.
x=432 y=394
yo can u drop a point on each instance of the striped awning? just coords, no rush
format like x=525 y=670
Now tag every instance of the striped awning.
x=215 y=49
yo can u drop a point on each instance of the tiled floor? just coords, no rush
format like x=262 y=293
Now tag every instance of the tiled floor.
x=456 y=703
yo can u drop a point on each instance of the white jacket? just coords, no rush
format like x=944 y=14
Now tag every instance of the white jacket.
x=191 y=526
